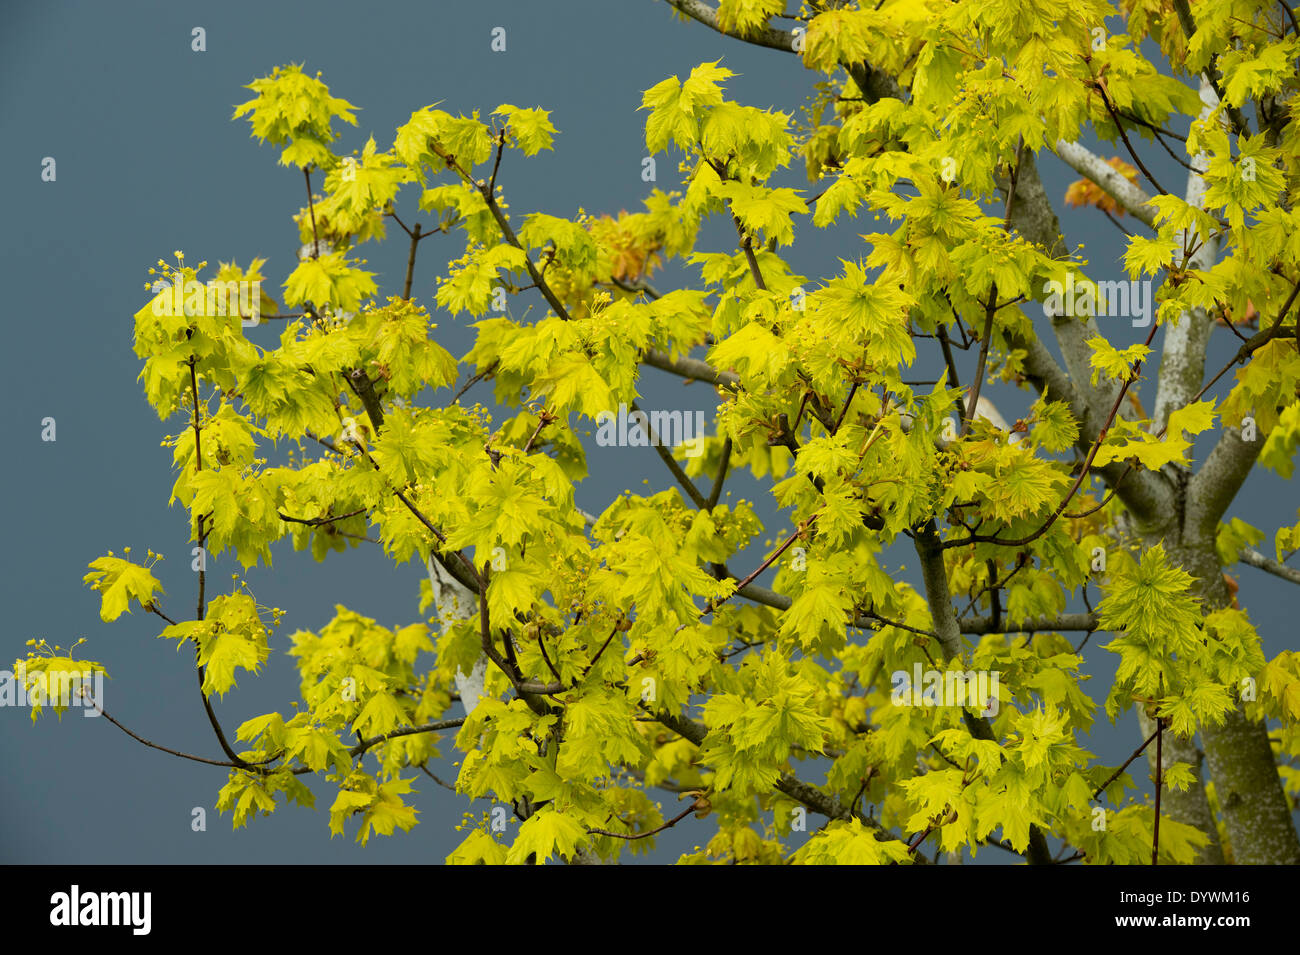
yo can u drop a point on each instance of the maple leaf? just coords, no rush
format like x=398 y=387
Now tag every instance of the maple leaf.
x=119 y=581
x=632 y=255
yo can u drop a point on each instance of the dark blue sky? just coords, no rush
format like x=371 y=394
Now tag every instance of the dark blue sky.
x=148 y=162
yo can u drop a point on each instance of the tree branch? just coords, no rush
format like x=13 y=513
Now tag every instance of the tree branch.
x=666 y=456
x=1182 y=360
x=165 y=749
x=202 y=540
x=1084 y=470
x=690 y=368
x=410 y=263
x=488 y=192
x=718 y=481
x=319 y=521
x=1253 y=557
x=796 y=789
x=1066 y=621
x=693 y=807
x=1116 y=774
x=1184 y=11
x=1146 y=494
x=760 y=36
x=1100 y=86
x=1092 y=167
x=1212 y=489
x=935 y=577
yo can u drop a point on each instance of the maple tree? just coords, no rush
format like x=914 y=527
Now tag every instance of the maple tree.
x=576 y=662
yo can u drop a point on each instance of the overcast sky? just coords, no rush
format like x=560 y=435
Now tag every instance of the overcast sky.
x=149 y=161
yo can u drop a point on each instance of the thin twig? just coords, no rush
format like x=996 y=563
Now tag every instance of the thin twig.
x=410 y=263
x=318 y=521
x=712 y=606
x=174 y=752
x=1155 y=836
x=1083 y=471
x=311 y=207
x=1099 y=85
x=716 y=492
x=201 y=611
x=642 y=835
x=1116 y=774
x=424 y=769
x=665 y=455
x=473 y=381
x=990 y=308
